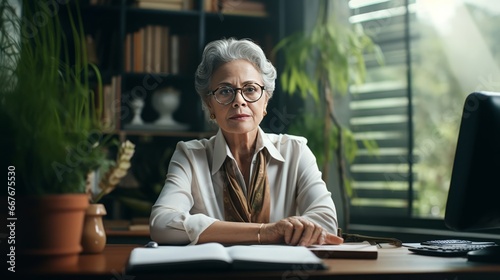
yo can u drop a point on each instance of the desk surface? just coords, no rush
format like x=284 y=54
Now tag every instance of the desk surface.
x=392 y=263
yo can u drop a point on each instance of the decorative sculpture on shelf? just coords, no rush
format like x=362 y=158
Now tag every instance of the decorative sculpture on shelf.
x=137 y=106
x=165 y=101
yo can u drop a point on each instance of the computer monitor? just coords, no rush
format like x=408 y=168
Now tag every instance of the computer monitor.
x=474 y=195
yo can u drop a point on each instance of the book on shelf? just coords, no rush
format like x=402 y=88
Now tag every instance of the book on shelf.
x=162 y=49
x=138 y=51
x=116 y=83
x=149 y=49
x=210 y=6
x=160 y=52
x=108 y=113
x=174 y=54
x=182 y=47
x=214 y=256
x=111 y=105
x=127 y=61
x=348 y=250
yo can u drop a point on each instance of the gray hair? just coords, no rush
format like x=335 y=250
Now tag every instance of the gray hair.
x=222 y=51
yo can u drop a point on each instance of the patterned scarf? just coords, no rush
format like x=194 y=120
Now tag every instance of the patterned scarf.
x=255 y=206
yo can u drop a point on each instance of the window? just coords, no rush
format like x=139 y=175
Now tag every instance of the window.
x=10 y=33
x=436 y=52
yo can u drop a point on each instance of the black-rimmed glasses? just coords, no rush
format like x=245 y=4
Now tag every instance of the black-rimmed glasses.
x=226 y=94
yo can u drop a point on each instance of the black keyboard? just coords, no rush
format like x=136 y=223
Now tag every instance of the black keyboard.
x=458 y=250
x=440 y=242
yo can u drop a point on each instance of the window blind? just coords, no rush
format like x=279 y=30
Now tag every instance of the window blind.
x=380 y=110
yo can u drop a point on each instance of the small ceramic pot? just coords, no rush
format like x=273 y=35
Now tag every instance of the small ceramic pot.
x=94 y=235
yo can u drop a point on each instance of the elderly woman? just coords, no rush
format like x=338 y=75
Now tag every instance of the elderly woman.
x=242 y=186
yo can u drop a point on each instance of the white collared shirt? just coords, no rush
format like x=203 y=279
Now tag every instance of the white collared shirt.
x=191 y=199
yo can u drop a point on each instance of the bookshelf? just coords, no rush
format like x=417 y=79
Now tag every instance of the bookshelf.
x=144 y=47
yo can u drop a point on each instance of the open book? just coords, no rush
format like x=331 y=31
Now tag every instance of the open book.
x=214 y=256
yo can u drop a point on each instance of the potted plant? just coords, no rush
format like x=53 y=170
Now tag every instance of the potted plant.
x=321 y=64
x=50 y=115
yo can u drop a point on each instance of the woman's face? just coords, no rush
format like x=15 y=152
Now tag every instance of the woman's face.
x=239 y=116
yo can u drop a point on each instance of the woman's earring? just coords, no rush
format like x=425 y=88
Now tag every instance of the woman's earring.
x=212 y=116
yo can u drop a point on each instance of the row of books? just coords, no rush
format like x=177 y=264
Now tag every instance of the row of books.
x=151 y=4
x=165 y=4
x=236 y=7
x=154 y=49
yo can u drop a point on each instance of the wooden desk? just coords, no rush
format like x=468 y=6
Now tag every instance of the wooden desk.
x=392 y=263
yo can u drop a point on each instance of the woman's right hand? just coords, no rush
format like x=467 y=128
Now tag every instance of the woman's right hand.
x=297 y=230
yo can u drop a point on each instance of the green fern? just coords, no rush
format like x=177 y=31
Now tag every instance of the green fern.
x=48 y=106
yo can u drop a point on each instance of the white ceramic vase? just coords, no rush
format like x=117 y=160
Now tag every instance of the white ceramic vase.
x=165 y=101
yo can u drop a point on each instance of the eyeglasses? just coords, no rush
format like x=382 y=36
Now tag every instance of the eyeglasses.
x=349 y=237
x=226 y=94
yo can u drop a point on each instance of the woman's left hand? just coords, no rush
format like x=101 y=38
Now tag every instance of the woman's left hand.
x=297 y=230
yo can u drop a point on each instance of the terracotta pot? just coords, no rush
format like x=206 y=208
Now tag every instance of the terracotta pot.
x=50 y=229
x=94 y=235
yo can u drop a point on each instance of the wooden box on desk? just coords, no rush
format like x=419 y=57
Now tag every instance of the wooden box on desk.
x=126 y=232
x=349 y=250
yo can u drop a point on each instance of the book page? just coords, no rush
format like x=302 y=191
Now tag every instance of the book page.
x=178 y=254
x=274 y=256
